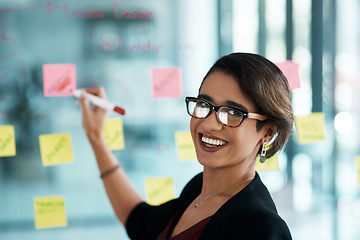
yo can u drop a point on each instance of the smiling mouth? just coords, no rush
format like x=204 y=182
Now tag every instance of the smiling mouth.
x=211 y=144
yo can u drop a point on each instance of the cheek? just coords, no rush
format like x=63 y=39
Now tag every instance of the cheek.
x=193 y=125
x=245 y=139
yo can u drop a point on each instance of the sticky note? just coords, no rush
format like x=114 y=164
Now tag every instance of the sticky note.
x=159 y=190
x=166 y=82
x=185 y=146
x=291 y=71
x=55 y=149
x=113 y=134
x=270 y=164
x=49 y=212
x=59 y=79
x=310 y=128
x=357 y=159
x=7 y=141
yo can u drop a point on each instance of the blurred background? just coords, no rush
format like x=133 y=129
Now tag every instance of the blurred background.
x=117 y=44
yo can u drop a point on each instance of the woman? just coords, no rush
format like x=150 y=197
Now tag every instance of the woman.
x=243 y=102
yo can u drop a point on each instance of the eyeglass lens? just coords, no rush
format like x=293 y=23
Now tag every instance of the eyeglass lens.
x=226 y=115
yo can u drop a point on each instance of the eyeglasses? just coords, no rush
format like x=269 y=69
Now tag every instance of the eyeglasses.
x=228 y=116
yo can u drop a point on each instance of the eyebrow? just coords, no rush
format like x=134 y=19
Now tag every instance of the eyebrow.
x=228 y=102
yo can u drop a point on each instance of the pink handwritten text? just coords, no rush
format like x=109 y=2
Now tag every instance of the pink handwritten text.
x=133 y=14
x=124 y=46
x=83 y=14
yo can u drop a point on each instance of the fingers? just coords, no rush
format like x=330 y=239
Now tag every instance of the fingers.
x=92 y=113
x=85 y=106
x=85 y=102
x=98 y=91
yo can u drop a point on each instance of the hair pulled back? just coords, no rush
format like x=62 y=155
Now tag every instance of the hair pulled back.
x=263 y=82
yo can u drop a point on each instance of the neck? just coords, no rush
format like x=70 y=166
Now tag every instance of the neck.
x=215 y=180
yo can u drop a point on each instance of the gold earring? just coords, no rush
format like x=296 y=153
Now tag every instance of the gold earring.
x=263 y=153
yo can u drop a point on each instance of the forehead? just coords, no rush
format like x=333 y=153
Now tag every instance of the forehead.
x=222 y=87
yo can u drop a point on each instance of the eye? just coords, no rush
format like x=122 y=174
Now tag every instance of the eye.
x=203 y=104
x=235 y=112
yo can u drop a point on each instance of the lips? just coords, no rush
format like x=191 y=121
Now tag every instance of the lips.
x=210 y=143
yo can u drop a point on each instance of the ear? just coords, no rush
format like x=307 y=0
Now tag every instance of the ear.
x=269 y=132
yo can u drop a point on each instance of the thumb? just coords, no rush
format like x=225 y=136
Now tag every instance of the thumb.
x=84 y=102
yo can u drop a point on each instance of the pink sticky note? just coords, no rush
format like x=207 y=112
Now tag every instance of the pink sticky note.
x=291 y=72
x=59 y=79
x=166 y=82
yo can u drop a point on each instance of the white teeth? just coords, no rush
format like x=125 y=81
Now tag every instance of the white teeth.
x=211 y=141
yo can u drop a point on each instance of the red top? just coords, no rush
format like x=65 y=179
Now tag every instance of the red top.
x=192 y=232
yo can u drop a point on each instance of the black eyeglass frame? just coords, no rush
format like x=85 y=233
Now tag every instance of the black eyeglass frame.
x=246 y=114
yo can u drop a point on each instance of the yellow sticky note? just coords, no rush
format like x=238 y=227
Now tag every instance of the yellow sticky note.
x=55 y=149
x=113 y=134
x=7 y=141
x=358 y=168
x=185 y=146
x=159 y=190
x=270 y=164
x=50 y=212
x=310 y=128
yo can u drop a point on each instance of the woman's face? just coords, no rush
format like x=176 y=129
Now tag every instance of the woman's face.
x=236 y=146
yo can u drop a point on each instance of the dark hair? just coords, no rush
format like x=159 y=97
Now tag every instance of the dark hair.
x=264 y=83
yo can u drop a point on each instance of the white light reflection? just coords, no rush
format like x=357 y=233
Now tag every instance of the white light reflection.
x=302 y=172
x=245 y=25
x=343 y=96
x=343 y=122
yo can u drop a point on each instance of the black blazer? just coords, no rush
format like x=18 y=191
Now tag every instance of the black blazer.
x=250 y=215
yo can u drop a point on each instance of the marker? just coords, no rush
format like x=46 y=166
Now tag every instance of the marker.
x=99 y=101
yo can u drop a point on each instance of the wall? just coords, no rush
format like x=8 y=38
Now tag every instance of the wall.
x=115 y=44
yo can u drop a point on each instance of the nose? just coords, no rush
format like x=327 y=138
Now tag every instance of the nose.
x=211 y=123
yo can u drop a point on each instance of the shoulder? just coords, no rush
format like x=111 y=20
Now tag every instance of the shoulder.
x=194 y=183
x=251 y=213
x=146 y=221
x=191 y=190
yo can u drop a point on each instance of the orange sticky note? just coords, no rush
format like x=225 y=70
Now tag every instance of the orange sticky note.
x=59 y=79
x=291 y=72
x=7 y=141
x=159 y=190
x=49 y=212
x=166 y=82
x=55 y=149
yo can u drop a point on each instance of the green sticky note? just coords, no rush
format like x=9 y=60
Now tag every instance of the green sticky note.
x=185 y=146
x=49 y=212
x=358 y=168
x=159 y=190
x=270 y=164
x=113 y=134
x=310 y=128
x=7 y=141
x=55 y=149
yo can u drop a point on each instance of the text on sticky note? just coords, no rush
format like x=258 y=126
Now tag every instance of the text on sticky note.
x=166 y=82
x=185 y=146
x=291 y=72
x=113 y=134
x=159 y=190
x=49 y=212
x=55 y=149
x=59 y=79
x=310 y=128
x=7 y=141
